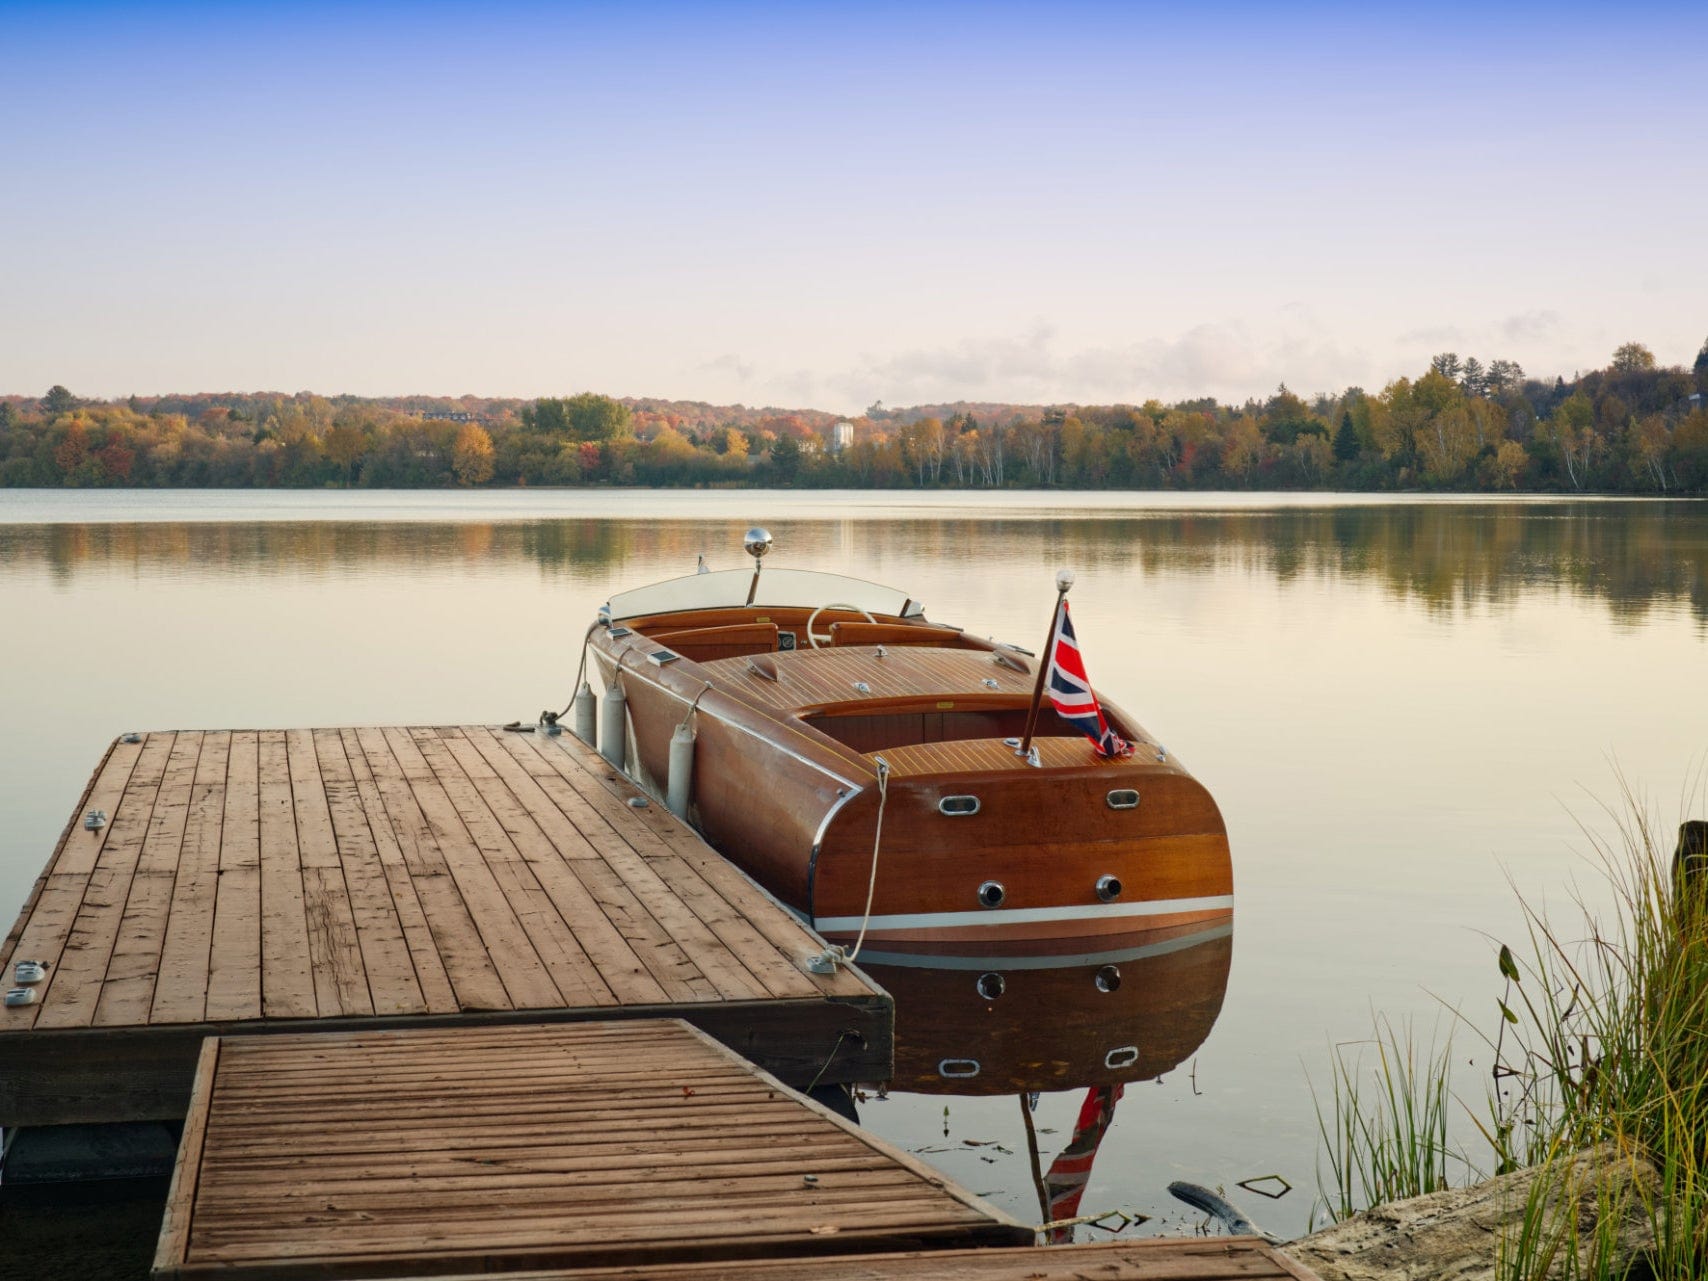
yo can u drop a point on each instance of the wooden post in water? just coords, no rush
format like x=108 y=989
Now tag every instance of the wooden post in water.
x=1690 y=860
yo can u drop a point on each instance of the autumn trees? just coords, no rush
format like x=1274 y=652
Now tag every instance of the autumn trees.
x=1460 y=424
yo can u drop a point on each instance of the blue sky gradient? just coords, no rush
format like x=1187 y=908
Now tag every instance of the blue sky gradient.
x=827 y=205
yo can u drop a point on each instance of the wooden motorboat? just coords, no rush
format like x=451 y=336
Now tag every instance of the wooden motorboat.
x=873 y=768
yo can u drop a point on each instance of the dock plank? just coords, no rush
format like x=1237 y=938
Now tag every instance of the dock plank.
x=672 y=1186
x=181 y=990
x=287 y=981
x=234 y=980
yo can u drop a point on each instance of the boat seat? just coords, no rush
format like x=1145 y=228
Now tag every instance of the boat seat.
x=862 y=633
x=731 y=640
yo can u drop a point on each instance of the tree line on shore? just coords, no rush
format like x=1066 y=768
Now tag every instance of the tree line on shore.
x=1635 y=426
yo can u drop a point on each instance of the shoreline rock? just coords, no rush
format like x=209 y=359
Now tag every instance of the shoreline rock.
x=1457 y=1235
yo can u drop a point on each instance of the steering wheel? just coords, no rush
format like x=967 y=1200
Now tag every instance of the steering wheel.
x=813 y=638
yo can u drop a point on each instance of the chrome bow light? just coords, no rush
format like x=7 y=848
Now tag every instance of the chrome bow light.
x=756 y=541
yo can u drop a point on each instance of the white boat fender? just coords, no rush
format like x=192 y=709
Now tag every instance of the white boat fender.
x=681 y=770
x=614 y=724
x=586 y=714
x=679 y=785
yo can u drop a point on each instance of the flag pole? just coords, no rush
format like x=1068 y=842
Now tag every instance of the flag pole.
x=1064 y=580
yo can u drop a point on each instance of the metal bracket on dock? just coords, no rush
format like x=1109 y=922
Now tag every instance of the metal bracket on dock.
x=827 y=961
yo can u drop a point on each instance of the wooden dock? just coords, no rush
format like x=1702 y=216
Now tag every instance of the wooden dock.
x=424 y=1152
x=1149 y=1259
x=347 y=879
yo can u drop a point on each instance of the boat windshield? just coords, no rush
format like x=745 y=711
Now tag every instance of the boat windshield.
x=727 y=588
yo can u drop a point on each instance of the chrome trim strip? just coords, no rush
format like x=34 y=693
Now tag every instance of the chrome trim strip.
x=832 y=812
x=1064 y=961
x=1025 y=915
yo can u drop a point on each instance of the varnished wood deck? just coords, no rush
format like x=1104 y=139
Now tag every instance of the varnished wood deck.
x=810 y=678
x=383 y=876
x=987 y=756
x=418 y=1152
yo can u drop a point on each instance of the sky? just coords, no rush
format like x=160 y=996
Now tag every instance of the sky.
x=829 y=205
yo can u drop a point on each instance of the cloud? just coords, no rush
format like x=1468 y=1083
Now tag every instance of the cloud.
x=1530 y=326
x=1226 y=360
x=1441 y=337
x=730 y=363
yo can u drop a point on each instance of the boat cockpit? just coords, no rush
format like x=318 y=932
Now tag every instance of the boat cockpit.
x=737 y=613
x=855 y=660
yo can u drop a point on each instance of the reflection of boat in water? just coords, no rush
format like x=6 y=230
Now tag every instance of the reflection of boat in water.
x=969 y=1025
x=1026 y=1024
x=825 y=710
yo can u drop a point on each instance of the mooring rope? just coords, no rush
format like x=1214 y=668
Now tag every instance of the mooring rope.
x=580 y=673
x=695 y=705
x=877 y=840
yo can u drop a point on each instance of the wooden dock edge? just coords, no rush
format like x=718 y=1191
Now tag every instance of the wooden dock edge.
x=9 y=946
x=174 y=1241
x=97 y=1075
x=1142 y=1259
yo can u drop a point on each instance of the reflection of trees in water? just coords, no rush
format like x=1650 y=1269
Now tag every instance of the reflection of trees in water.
x=1630 y=555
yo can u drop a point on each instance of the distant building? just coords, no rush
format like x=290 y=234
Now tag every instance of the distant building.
x=841 y=436
x=447 y=416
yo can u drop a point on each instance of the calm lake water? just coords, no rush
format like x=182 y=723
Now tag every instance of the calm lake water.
x=1400 y=705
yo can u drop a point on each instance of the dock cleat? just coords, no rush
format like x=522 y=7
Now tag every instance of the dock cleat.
x=27 y=973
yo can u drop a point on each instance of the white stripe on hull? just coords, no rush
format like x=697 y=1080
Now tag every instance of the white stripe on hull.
x=1062 y=961
x=989 y=917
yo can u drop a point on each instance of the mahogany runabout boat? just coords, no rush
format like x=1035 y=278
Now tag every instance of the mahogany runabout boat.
x=879 y=771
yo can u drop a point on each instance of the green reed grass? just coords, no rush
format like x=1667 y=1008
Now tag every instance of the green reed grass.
x=1601 y=1043
x=1385 y=1133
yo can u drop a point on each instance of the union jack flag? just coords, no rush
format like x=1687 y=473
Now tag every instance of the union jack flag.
x=1071 y=1171
x=1071 y=696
